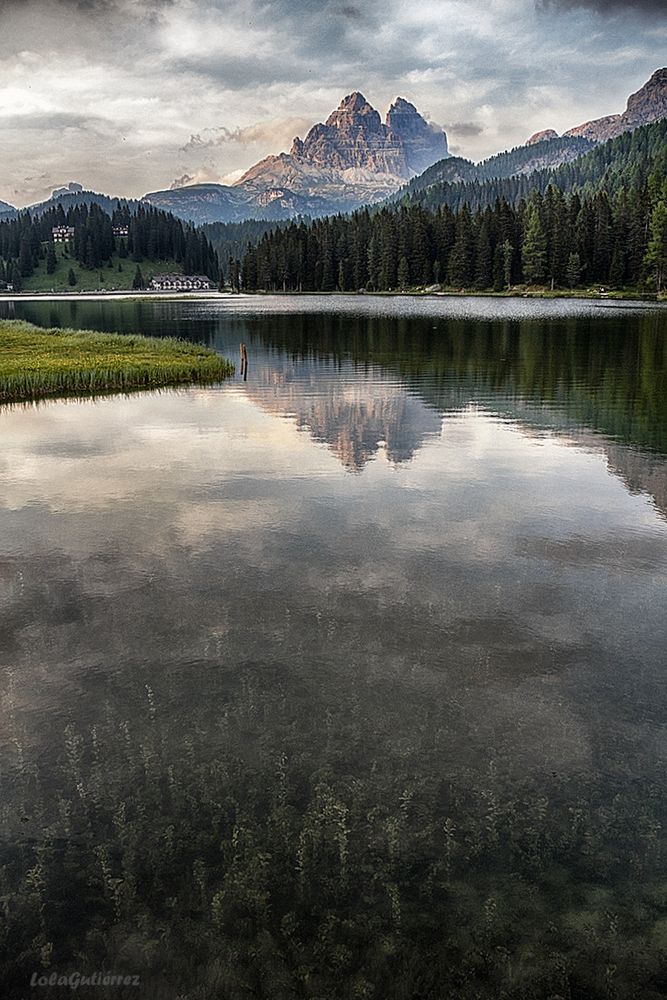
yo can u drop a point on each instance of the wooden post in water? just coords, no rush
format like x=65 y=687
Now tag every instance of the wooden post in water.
x=244 y=362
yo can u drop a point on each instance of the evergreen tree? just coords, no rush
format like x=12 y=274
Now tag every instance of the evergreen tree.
x=25 y=255
x=508 y=257
x=573 y=270
x=51 y=262
x=138 y=280
x=341 y=277
x=403 y=273
x=16 y=277
x=656 y=253
x=534 y=253
x=71 y=277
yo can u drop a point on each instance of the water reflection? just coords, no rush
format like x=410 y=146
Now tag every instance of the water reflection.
x=284 y=725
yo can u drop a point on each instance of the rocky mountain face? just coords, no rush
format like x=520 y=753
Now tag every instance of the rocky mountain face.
x=648 y=104
x=543 y=136
x=352 y=159
x=355 y=146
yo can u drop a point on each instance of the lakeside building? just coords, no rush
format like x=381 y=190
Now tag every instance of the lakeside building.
x=182 y=283
x=122 y=231
x=62 y=234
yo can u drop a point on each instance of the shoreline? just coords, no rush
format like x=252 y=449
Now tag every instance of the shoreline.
x=43 y=363
x=574 y=295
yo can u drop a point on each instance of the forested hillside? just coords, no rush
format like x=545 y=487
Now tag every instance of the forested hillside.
x=30 y=259
x=617 y=241
x=624 y=162
x=230 y=239
x=521 y=160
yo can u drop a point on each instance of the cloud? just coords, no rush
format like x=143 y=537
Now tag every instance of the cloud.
x=281 y=131
x=464 y=129
x=143 y=91
x=611 y=7
x=88 y=7
x=352 y=12
x=201 y=175
x=183 y=181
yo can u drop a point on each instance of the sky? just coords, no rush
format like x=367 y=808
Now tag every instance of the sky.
x=131 y=96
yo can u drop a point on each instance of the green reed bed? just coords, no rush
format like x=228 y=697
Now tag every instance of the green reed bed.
x=35 y=362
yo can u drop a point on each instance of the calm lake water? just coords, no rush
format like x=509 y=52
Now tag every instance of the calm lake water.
x=346 y=679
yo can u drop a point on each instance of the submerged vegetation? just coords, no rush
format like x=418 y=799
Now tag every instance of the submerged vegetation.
x=280 y=843
x=35 y=363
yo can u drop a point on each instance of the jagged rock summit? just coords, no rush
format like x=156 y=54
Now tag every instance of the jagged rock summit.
x=543 y=136
x=648 y=104
x=351 y=159
x=354 y=147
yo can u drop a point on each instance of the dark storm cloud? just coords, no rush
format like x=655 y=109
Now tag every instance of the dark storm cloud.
x=465 y=129
x=93 y=9
x=611 y=7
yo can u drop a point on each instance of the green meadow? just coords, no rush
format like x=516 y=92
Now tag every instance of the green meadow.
x=35 y=362
x=87 y=280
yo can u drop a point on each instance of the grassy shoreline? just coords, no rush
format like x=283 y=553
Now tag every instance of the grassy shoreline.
x=619 y=295
x=516 y=292
x=36 y=363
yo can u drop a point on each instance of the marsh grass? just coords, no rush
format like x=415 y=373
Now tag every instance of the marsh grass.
x=36 y=363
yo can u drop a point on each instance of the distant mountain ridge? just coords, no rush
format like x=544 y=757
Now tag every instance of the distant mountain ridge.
x=646 y=105
x=355 y=159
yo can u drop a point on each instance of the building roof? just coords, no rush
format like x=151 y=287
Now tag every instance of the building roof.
x=180 y=277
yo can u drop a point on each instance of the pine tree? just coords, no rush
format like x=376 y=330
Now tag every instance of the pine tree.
x=138 y=280
x=656 y=253
x=484 y=260
x=403 y=274
x=71 y=277
x=573 y=270
x=25 y=256
x=534 y=252
x=16 y=277
x=508 y=257
x=341 y=277
x=51 y=262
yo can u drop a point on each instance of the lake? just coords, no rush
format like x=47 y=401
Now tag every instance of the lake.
x=346 y=679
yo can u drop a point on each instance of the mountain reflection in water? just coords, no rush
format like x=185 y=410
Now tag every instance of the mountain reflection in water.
x=345 y=680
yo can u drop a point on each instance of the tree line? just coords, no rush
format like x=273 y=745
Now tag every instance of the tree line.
x=153 y=235
x=551 y=239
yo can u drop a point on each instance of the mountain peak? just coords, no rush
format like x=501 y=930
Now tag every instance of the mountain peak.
x=400 y=104
x=423 y=143
x=355 y=147
x=354 y=102
x=352 y=109
x=648 y=104
x=543 y=136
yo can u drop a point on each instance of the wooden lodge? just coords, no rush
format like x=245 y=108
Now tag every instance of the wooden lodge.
x=182 y=283
x=62 y=234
